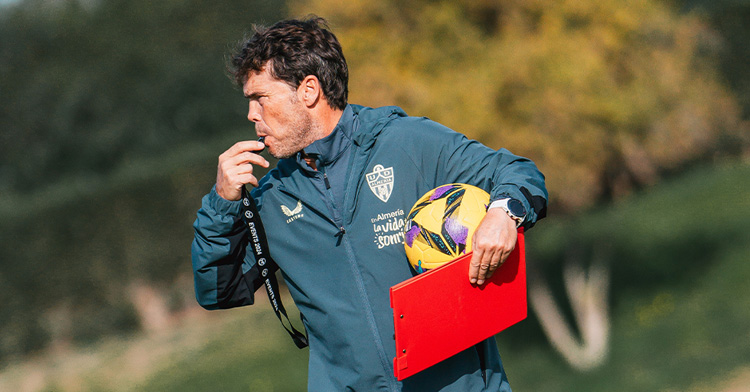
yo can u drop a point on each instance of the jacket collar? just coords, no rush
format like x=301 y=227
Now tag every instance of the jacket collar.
x=369 y=123
x=330 y=148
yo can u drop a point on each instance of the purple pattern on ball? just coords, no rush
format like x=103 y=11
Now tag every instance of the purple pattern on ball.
x=440 y=191
x=456 y=231
x=411 y=235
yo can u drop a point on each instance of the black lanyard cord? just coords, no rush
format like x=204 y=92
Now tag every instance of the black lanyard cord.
x=267 y=265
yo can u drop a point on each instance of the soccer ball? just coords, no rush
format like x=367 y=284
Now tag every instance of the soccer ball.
x=439 y=227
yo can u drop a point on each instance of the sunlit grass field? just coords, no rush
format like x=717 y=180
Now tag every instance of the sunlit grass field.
x=680 y=258
x=680 y=262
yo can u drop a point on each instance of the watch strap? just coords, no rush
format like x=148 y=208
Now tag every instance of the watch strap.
x=503 y=203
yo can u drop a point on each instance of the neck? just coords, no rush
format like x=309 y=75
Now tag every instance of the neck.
x=310 y=162
x=328 y=119
x=325 y=119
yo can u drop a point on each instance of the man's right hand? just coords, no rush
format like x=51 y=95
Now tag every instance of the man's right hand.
x=236 y=168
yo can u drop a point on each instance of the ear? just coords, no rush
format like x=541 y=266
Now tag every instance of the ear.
x=309 y=90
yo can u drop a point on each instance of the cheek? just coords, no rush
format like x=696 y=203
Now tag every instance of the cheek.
x=266 y=118
x=278 y=117
x=269 y=114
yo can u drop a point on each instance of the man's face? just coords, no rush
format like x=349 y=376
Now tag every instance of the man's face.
x=278 y=114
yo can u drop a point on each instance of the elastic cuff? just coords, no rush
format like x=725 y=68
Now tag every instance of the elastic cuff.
x=511 y=192
x=223 y=206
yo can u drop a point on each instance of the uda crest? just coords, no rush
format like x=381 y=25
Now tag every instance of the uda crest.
x=381 y=182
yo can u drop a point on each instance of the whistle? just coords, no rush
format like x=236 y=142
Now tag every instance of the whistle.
x=262 y=139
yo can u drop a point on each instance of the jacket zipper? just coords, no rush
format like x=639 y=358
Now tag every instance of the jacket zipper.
x=370 y=315
x=336 y=217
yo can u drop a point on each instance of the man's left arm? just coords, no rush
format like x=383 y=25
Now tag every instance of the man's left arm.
x=518 y=198
x=518 y=195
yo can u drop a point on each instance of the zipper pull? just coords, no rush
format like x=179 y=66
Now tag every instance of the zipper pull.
x=341 y=232
x=325 y=179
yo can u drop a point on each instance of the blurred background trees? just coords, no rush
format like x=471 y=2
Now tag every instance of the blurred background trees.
x=604 y=95
x=90 y=86
x=112 y=114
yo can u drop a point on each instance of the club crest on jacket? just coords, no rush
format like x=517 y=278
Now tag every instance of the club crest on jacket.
x=380 y=181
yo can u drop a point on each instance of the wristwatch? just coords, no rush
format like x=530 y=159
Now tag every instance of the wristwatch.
x=513 y=207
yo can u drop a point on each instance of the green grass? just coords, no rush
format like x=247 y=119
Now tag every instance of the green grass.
x=679 y=255
x=247 y=354
x=665 y=338
x=680 y=309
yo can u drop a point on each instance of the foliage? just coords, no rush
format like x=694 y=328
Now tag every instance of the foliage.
x=69 y=262
x=89 y=87
x=730 y=18
x=605 y=96
x=112 y=116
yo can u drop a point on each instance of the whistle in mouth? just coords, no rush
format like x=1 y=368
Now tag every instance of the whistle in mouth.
x=262 y=139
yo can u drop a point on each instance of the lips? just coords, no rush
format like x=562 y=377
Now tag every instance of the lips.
x=266 y=142
x=262 y=136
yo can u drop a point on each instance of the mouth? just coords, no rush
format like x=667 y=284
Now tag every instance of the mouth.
x=261 y=135
x=267 y=143
x=262 y=139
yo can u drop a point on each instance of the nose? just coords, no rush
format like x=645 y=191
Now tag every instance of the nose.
x=253 y=112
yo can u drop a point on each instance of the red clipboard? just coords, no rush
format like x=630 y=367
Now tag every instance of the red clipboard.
x=439 y=313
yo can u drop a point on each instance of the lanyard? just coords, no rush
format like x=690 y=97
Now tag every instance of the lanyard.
x=267 y=265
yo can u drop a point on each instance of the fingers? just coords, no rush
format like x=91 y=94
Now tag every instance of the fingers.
x=492 y=243
x=244 y=152
x=475 y=267
x=238 y=175
x=236 y=166
x=484 y=263
x=246 y=145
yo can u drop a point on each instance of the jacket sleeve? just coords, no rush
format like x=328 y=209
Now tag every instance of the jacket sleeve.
x=225 y=273
x=452 y=157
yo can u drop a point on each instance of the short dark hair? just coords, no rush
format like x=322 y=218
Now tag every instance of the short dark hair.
x=296 y=49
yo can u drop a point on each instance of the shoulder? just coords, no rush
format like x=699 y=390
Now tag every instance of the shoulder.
x=391 y=122
x=419 y=132
x=418 y=125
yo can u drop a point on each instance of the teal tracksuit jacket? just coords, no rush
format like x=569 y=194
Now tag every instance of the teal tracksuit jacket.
x=336 y=234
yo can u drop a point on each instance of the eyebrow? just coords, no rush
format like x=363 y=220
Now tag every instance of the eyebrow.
x=253 y=96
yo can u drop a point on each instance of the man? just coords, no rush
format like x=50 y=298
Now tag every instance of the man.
x=319 y=210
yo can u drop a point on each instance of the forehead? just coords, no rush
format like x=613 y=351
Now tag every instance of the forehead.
x=263 y=82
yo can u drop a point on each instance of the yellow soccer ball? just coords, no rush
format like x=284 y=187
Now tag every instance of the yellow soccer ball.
x=441 y=224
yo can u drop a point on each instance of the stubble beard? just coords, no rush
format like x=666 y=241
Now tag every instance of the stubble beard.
x=301 y=134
